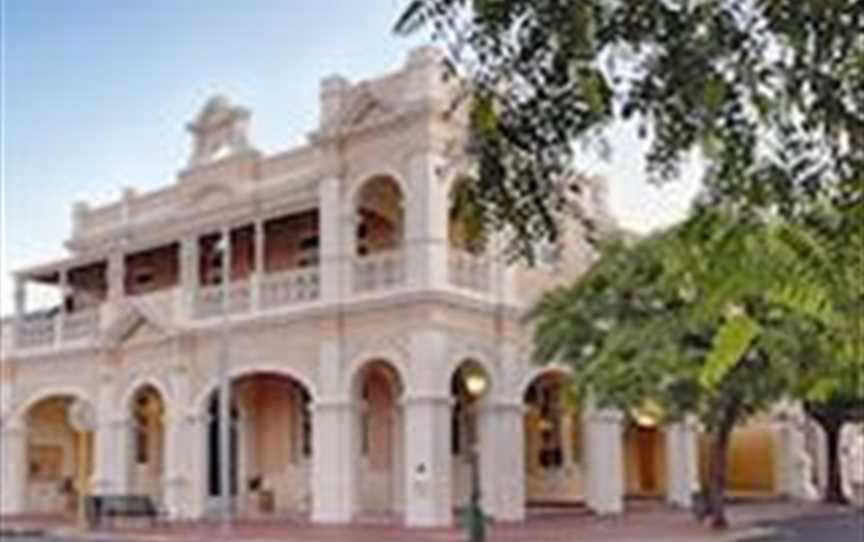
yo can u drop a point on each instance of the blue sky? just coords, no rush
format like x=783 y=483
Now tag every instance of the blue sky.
x=95 y=95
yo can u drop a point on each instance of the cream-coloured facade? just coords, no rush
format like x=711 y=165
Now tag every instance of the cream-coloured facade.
x=354 y=312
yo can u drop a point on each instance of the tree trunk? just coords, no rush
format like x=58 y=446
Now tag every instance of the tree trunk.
x=717 y=479
x=834 y=484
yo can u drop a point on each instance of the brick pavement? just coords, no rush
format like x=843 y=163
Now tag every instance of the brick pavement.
x=644 y=522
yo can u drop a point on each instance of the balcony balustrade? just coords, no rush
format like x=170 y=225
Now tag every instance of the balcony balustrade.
x=81 y=325
x=381 y=271
x=36 y=331
x=470 y=271
x=208 y=300
x=375 y=273
x=289 y=288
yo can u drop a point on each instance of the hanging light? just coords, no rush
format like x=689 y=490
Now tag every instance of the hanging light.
x=476 y=383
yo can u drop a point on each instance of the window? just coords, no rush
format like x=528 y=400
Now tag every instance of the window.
x=305 y=424
x=142 y=437
x=546 y=398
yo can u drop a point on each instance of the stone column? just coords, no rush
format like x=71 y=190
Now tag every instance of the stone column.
x=605 y=465
x=793 y=462
x=426 y=215
x=116 y=439
x=502 y=460
x=116 y=276
x=334 y=444
x=189 y=271
x=331 y=227
x=194 y=460
x=334 y=460
x=61 y=314
x=20 y=295
x=258 y=263
x=427 y=461
x=178 y=446
x=682 y=471
x=13 y=467
x=20 y=307
x=112 y=438
x=427 y=405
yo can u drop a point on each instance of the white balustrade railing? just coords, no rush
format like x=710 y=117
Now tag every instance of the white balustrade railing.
x=380 y=271
x=289 y=287
x=80 y=325
x=208 y=300
x=470 y=271
x=34 y=331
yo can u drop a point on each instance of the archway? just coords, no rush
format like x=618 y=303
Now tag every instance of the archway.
x=644 y=455
x=380 y=216
x=751 y=461
x=148 y=442
x=468 y=386
x=271 y=446
x=466 y=225
x=59 y=454
x=377 y=389
x=554 y=465
x=379 y=235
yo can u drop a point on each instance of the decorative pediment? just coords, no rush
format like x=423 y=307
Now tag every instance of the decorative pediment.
x=137 y=321
x=219 y=131
x=363 y=108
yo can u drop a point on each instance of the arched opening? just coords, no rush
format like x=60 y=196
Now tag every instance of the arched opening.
x=466 y=224
x=554 y=464
x=644 y=454
x=59 y=455
x=271 y=446
x=380 y=216
x=377 y=390
x=469 y=265
x=379 y=235
x=751 y=461
x=148 y=442
x=468 y=386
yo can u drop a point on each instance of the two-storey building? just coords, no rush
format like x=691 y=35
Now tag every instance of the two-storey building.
x=355 y=312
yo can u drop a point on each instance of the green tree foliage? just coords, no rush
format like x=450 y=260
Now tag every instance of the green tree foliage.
x=703 y=319
x=771 y=92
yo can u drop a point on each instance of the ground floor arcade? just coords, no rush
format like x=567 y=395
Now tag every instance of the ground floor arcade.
x=388 y=429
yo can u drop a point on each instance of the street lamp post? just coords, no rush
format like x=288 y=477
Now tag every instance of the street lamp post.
x=476 y=384
x=223 y=251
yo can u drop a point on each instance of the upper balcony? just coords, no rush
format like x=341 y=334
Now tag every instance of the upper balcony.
x=275 y=264
x=363 y=212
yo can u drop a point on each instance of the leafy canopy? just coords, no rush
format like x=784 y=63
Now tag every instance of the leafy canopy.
x=770 y=92
x=702 y=319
